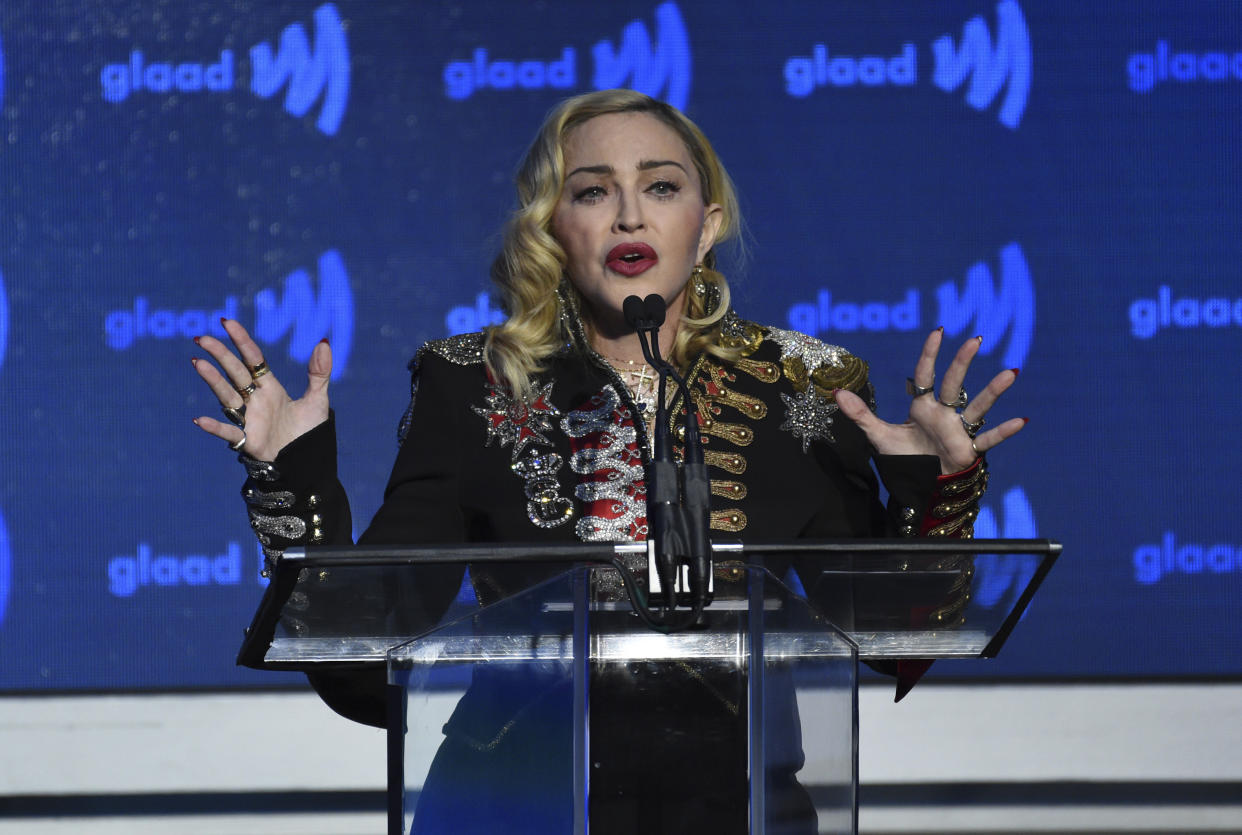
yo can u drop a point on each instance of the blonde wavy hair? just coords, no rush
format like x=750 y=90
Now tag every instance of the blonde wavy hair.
x=530 y=268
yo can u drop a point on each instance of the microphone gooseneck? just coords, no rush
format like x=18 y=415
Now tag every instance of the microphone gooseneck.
x=678 y=499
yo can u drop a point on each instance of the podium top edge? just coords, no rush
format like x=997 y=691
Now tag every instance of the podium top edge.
x=571 y=552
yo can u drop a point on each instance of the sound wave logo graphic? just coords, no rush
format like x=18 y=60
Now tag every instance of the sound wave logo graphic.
x=648 y=68
x=309 y=318
x=989 y=68
x=309 y=72
x=1000 y=578
x=994 y=312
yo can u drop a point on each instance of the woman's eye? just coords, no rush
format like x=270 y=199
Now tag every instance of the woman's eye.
x=664 y=188
x=590 y=194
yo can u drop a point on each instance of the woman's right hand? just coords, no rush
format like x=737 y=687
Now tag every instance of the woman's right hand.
x=270 y=419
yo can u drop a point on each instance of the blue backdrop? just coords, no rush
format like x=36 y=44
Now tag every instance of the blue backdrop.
x=1061 y=177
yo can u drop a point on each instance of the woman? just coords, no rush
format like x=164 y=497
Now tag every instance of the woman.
x=537 y=429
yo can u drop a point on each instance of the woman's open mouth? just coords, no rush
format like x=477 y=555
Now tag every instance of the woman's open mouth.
x=631 y=259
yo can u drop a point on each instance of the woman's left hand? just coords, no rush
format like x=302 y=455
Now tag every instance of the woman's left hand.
x=935 y=427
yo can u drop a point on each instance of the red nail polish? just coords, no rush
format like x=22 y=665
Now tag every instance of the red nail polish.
x=222 y=321
x=1016 y=371
x=1025 y=421
x=324 y=340
x=194 y=361
x=941 y=328
x=198 y=340
x=979 y=337
x=196 y=421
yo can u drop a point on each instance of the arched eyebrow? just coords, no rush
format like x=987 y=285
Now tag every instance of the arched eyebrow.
x=644 y=165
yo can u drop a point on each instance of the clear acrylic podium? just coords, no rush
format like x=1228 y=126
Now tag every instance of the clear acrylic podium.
x=558 y=710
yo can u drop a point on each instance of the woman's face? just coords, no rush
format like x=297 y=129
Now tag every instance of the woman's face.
x=631 y=217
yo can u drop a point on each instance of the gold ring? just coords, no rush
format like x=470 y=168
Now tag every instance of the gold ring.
x=246 y=391
x=257 y=371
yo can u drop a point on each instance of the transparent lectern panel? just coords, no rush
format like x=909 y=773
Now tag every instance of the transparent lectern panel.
x=912 y=606
x=559 y=710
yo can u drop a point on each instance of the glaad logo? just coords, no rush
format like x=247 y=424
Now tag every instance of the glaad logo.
x=311 y=73
x=993 y=312
x=659 y=67
x=1001 y=578
x=1152 y=563
x=1147 y=69
x=1147 y=316
x=130 y=572
x=297 y=309
x=6 y=570
x=464 y=319
x=1007 y=63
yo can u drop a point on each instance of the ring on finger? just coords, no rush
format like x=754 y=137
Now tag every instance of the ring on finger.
x=236 y=415
x=972 y=428
x=246 y=390
x=978 y=451
x=915 y=390
x=257 y=371
x=236 y=447
x=958 y=402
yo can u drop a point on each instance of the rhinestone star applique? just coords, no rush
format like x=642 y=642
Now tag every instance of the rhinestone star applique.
x=811 y=351
x=808 y=416
x=512 y=422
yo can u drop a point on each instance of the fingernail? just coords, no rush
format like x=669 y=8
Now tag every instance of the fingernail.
x=1025 y=421
x=223 y=320
x=194 y=361
x=198 y=340
x=979 y=337
x=325 y=341
x=941 y=328
x=196 y=421
x=1015 y=371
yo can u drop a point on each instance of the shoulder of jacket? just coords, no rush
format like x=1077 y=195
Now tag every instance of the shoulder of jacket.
x=807 y=359
x=463 y=349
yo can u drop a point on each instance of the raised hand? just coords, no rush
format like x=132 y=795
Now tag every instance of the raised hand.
x=935 y=426
x=262 y=418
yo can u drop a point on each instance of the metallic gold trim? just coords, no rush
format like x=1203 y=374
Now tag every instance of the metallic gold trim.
x=733 y=490
x=731 y=520
x=730 y=462
x=761 y=370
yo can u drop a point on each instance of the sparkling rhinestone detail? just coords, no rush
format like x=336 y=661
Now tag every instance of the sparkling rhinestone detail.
x=605 y=448
x=258 y=470
x=511 y=422
x=809 y=417
x=279 y=500
x=290 y=527
x=545 y=507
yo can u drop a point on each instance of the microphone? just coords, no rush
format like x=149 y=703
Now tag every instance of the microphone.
x=679 y=529
x=660 y=473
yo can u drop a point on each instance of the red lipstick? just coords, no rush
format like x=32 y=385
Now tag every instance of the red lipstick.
x=631 y=259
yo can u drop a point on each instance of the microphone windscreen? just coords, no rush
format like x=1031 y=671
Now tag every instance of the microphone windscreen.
x=655 y=309
x=634 y=311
